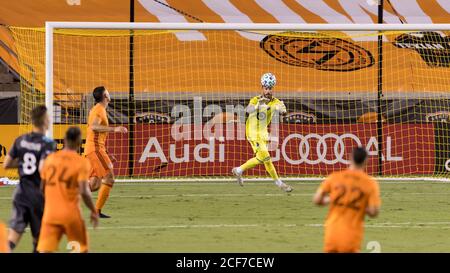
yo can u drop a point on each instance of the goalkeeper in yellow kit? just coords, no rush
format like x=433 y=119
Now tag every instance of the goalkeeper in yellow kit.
x=260 y=112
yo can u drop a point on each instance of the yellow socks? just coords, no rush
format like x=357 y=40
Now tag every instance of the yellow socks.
x=251 y=163
x=270 y=168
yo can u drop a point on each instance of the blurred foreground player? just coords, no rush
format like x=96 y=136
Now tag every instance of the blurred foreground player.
x=65 y=177
x=351 y=194
x=101 y=175
x=27 y=154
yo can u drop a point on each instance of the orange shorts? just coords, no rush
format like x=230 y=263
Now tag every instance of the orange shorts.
x=100 y=163
x=75 y=231
x=342 y=241
x=340 y=248
x=4 y=248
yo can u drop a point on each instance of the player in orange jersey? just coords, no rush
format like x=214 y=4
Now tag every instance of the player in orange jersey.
x=65 y=177
x=4 y=248
x=95 y=149
x=351 y=194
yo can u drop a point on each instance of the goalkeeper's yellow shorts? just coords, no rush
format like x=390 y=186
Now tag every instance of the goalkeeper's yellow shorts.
x=260 y=149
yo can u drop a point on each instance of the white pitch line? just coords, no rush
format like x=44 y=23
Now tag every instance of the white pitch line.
x=298 y=183
x=254 y=195
x=244 y=195
x=212 y=195
x=401 y=226
x=388 y=224
x=418 y=223
x=424 y=225
x=182 y=226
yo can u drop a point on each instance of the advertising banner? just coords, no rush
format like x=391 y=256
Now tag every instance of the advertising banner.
x=163 y=150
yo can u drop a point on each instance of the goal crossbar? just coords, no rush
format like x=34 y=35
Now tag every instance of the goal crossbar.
x=245 y=26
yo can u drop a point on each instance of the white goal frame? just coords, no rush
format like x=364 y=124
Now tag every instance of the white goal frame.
x=51 y=26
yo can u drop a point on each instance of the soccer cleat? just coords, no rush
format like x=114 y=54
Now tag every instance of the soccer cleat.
x=101 y=215
x=238 y=176
x=286 y=188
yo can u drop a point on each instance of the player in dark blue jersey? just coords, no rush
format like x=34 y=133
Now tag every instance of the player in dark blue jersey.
x=27 y=154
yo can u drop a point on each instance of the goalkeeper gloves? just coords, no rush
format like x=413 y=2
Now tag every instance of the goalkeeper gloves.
x=261 y=105
x=280 y=108
x=263 y=99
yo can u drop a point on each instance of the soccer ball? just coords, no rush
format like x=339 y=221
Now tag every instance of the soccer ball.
x=268 y=80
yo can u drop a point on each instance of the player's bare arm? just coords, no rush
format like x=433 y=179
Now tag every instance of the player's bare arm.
x=42 y=168
x=97 y=127
x=87 y=199
x=372 y=212
x=42 y=186
x=321 y=198
x=373 y=206
x=10 y=162
x=112 y=157
x=281 y=108
x=41 y=165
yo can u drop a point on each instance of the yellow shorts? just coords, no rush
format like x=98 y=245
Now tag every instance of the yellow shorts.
x=51 y=234
x=260 y=149
x=100 y=163
x=259 y=145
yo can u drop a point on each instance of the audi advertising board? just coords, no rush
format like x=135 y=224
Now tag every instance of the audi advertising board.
x=187 y=150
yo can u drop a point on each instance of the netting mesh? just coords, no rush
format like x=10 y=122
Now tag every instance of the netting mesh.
x=187 y=116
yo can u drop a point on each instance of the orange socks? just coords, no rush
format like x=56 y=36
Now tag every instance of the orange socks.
x=103 y=195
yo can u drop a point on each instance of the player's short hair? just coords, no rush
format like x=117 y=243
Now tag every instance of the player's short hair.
x=98 y=93
x=73 y=135
x=37 y=115
x=359 y=155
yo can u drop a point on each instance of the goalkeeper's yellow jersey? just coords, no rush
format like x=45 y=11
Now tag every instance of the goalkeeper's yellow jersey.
x=256 y=127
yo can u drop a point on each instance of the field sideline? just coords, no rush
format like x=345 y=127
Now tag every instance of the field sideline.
x=223 y=217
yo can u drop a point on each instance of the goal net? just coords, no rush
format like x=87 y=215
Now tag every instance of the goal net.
x=182 y=92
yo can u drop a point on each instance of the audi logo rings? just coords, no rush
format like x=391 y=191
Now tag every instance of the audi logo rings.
x=304 y=148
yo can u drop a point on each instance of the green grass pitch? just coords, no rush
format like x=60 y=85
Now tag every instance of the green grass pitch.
x=224 y=217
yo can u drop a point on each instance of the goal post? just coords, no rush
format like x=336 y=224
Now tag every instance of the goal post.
x=326 y=73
